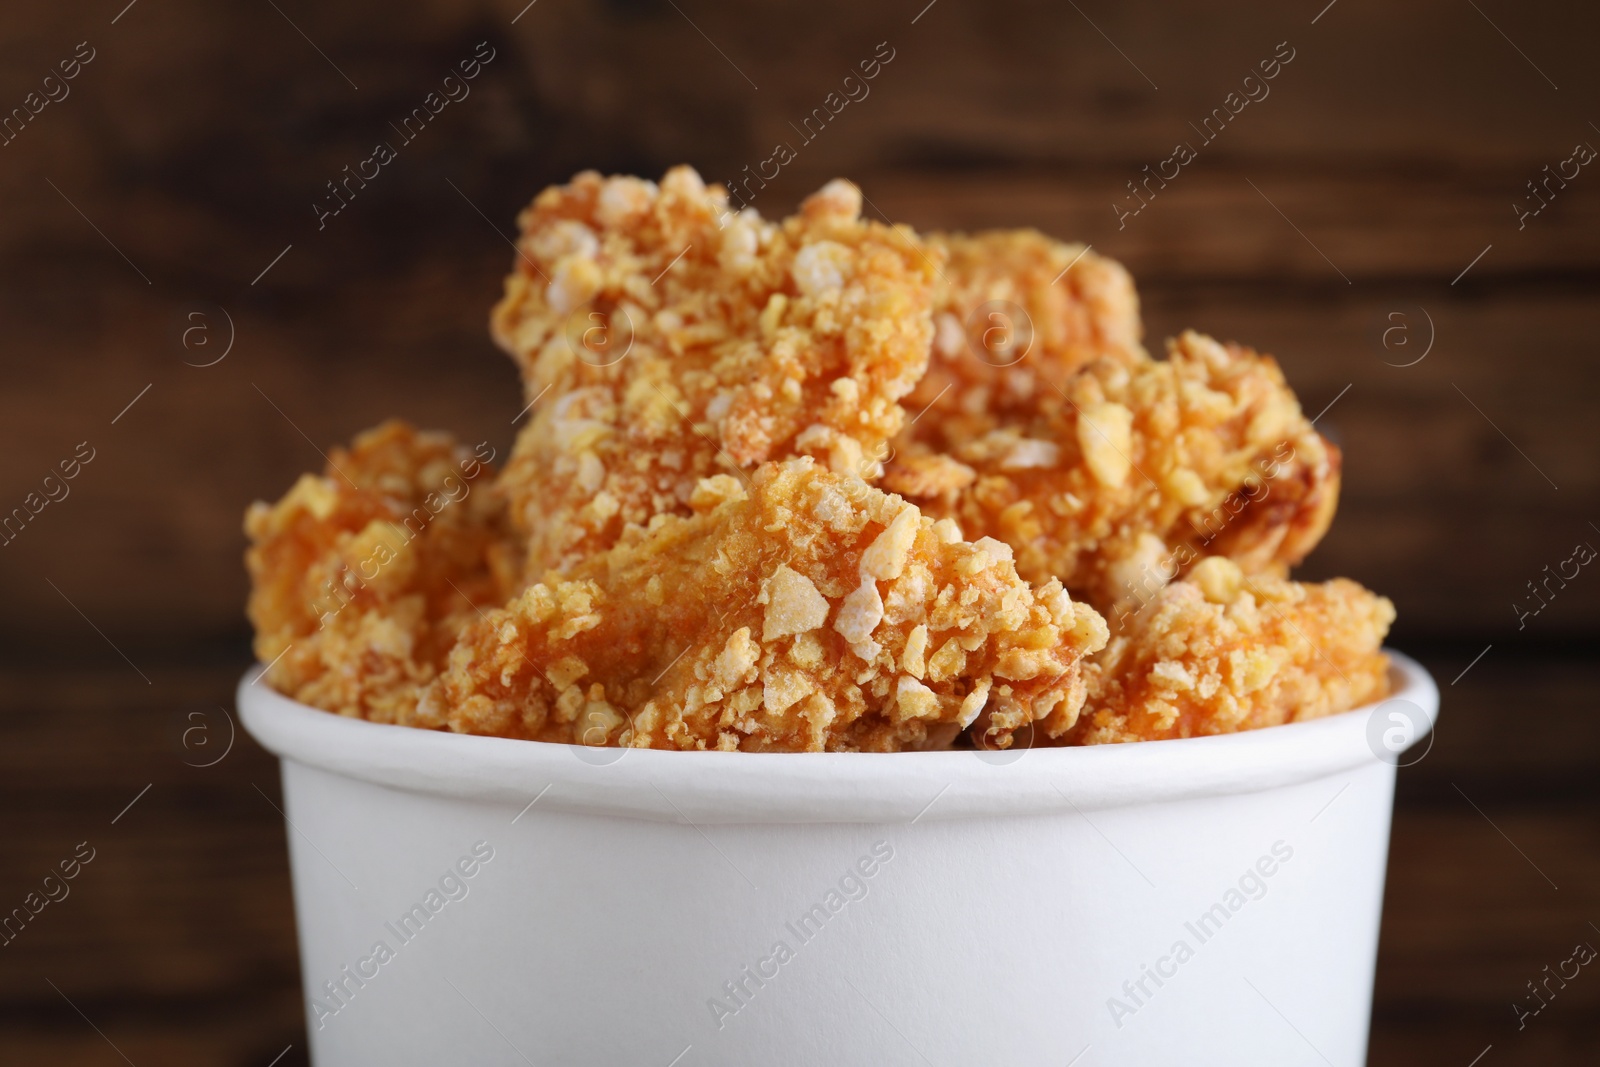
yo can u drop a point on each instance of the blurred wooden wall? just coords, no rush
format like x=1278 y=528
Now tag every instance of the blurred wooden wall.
x=1330 y=222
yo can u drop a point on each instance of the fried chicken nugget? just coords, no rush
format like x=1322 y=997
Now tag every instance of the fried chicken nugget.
x=666 y=339
x=808 y=612
x=1013 y=311
x=1135 y=471
x=361 y=578
x=1221 y=652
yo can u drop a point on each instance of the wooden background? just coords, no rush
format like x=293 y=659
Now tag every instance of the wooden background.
x=1386 y=160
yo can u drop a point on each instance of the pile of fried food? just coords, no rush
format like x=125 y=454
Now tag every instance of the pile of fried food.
x=823 y=485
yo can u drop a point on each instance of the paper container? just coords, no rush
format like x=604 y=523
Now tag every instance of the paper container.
x=1204 y=901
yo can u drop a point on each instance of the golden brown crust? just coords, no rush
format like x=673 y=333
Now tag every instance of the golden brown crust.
x=1221 y=652
x=361 y=578
x=667 y=339
x=1133 y=472
x=811 y=612
x=1016 y=313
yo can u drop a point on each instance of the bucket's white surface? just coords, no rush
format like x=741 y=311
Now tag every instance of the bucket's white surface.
x=1016 y=907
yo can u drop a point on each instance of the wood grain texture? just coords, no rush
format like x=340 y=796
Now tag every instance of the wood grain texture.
x=1387 y=157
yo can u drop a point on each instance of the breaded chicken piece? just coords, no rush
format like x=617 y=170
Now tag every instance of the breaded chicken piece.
x=1133 y=472
x=1220 y=652
x=1016 y=313
x=666 y=339
x=808 y=612
x=362 y=577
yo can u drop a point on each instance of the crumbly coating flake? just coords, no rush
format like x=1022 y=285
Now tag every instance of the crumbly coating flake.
x=793 y=605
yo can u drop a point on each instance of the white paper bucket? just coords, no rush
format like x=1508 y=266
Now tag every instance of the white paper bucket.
x=1205 y=901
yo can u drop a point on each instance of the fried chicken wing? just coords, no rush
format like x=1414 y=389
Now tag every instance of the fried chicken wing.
x=666 y=339
x=362 y=577
x=696 y=542
x=1015 y=314
x=805 y=612
x=1221 y=651
x=1132 y=472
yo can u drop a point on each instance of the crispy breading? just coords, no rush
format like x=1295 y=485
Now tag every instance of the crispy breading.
x=362 y=577
x=666 y=339
x=808 y=612
x=1134 y=471
x=1221 y=651
x=686 y=549
x=1016 y=313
